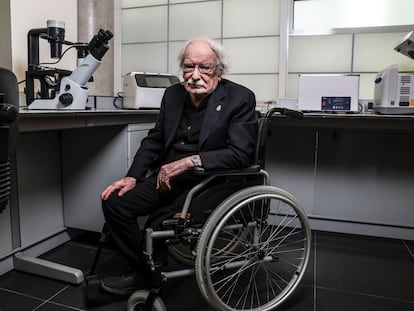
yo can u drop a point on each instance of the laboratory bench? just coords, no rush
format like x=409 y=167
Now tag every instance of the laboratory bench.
x=352 y=173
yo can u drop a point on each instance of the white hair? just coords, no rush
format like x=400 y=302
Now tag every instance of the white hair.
x=216 y=47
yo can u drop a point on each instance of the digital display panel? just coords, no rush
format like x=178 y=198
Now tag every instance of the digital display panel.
x=339 y=103
x=157 y=81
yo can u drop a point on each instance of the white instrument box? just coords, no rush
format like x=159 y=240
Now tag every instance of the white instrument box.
x=145 y=90
x=328 y=93
x=394 y=92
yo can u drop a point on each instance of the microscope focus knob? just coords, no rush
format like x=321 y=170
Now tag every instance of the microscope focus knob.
x=66 y=99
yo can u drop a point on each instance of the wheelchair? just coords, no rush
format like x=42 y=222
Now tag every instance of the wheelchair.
x=252 y=250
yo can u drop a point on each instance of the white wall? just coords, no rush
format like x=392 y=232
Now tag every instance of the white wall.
x=149 y=34
x=5 y=50
x=153 y=32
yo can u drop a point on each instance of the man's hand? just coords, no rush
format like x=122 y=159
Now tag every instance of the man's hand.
x=124 y=185
x=170 y=170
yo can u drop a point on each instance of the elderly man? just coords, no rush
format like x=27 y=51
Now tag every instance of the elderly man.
x=206 y=121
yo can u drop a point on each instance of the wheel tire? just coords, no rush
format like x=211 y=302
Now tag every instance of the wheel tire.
x=140 y=297
x=277 y=247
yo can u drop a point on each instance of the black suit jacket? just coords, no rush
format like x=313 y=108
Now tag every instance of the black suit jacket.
x=227 y=137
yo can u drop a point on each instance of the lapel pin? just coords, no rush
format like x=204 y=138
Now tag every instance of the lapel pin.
x=218 y=108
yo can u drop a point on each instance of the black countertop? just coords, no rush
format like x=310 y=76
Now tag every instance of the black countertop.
x=356 y=121
x=43 y=120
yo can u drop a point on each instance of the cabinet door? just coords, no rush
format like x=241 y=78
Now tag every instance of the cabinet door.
x=92 y=158
x=365 y=177
x=136 y=132
x=5 y=231
x=39 y=186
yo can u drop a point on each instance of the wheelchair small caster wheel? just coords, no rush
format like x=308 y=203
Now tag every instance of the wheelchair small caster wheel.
x=137 y=302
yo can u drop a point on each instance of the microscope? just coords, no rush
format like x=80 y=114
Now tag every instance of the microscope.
x=62 y=89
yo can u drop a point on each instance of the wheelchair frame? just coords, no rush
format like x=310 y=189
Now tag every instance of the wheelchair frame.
x=252 y=251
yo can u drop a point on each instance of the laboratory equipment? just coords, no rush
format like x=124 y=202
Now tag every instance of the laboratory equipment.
x=328 y=93
x=145 y=90
x=393 y=92
x=406 y=46
x=62 y=89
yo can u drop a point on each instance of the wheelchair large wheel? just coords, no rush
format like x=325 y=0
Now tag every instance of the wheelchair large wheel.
x=136 y=302
x=268 y=262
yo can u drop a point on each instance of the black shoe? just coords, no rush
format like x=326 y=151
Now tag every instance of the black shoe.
x=122 y=285
x=95 y=296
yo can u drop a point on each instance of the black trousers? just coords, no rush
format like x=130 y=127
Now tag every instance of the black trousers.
x=121 y=213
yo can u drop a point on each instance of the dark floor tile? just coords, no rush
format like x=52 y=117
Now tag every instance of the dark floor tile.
x=75 y=297
x=410 y=246
x=72 y=295
x=116 y=306
x=47 y=306
x=359 y=242
x=328 y=300
x=352 y=273
x=75 y=255
x=192 y=299
x=187 y=289
x=31 y=285
x=300 y=300
x=15 y=302
x=367 y=272
x=308 y=277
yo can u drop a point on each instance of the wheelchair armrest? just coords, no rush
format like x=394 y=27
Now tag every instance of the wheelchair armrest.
x=210 y=175
x=199 y=171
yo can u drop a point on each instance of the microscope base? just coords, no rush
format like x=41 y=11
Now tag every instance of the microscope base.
x=51 y=104
x=78 y=95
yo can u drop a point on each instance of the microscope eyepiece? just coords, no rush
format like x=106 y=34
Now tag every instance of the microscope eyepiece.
x=99 y=43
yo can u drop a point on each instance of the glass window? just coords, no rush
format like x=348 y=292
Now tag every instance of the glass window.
x=332 y=14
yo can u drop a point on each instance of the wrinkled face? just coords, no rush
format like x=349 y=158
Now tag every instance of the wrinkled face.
x=199 y=70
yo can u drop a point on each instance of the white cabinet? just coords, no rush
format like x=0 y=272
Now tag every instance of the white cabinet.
x=39 y=186
x=91 y=160
x=136 y=132
x=62 y=173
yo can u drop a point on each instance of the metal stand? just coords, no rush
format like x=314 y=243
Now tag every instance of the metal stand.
x=47 y=268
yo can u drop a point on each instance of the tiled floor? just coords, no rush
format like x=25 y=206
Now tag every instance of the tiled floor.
x=348 y=273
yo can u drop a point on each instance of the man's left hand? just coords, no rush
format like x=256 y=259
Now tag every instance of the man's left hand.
x=170 y=170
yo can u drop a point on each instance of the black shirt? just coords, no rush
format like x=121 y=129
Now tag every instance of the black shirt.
x=186 y=142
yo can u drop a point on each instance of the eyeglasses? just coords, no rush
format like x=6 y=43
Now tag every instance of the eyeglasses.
x=202 y=68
